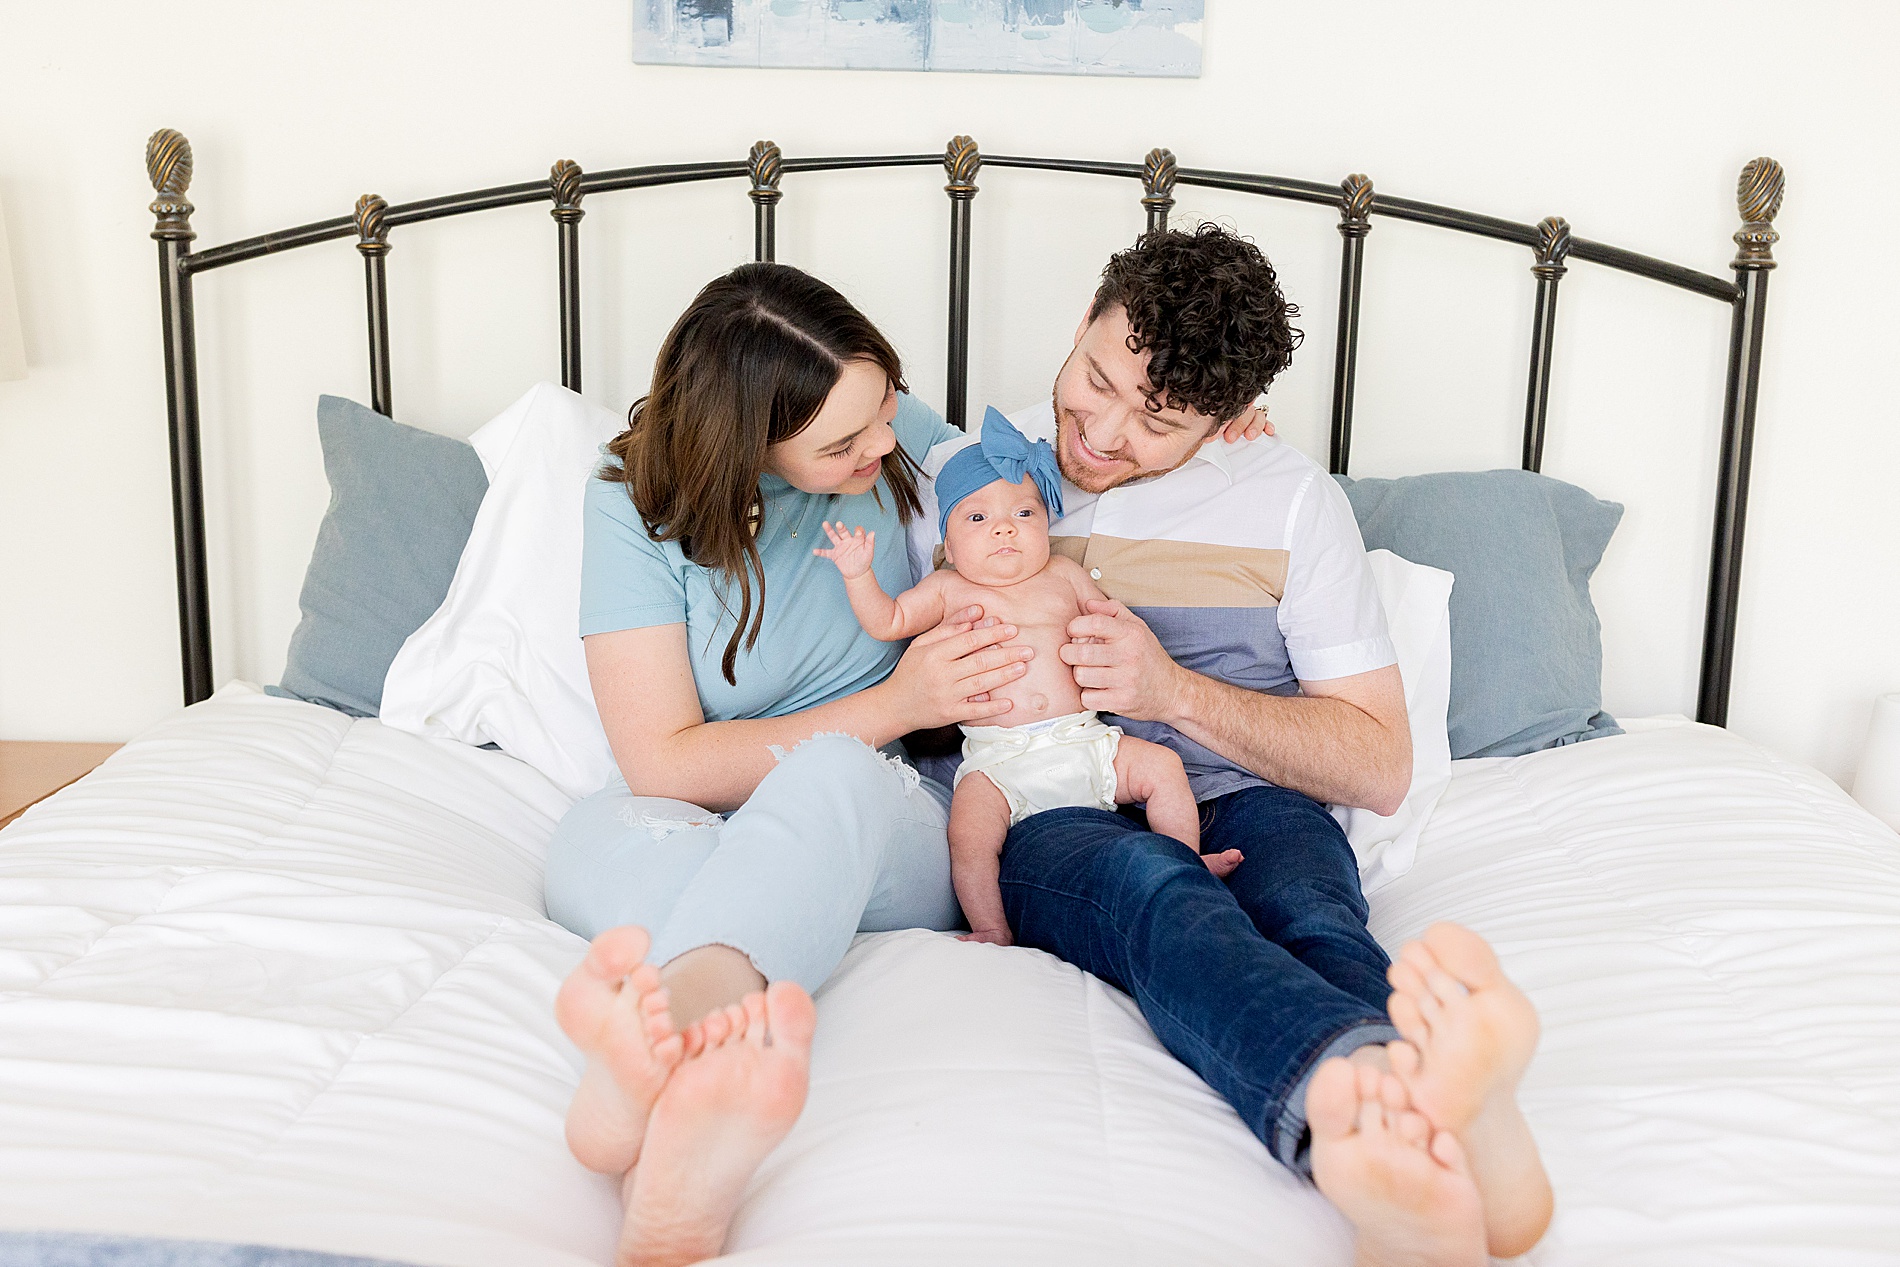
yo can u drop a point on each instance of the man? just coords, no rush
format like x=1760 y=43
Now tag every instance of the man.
x=1247 y=635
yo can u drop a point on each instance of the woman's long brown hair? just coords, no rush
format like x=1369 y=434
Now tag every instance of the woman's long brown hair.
x=747 y=365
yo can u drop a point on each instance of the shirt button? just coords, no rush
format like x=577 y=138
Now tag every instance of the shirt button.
x=1096 y=573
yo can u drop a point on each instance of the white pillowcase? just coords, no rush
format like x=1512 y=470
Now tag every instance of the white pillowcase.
x=501 y=660
x=1417 y=603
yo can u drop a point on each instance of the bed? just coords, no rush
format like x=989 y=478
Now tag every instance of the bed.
x=275 y=976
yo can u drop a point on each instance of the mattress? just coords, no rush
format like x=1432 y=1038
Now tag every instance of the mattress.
x=273 y=975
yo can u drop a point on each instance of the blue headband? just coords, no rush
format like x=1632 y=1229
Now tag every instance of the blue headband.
x=1001 y=453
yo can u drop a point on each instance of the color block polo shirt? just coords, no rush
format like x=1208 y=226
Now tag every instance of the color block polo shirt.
x=1246 y=562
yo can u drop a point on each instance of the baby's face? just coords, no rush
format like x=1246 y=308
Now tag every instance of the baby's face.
x=999 y=534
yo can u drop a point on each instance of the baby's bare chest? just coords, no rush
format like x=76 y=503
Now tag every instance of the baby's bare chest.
x=1040 y=607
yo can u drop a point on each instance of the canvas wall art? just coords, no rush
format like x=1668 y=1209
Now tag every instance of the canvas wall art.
x=1058 y=37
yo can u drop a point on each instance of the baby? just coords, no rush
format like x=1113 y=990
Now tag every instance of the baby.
x=995 y=502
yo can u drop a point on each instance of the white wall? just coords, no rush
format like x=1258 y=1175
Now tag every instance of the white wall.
x=1630 y=118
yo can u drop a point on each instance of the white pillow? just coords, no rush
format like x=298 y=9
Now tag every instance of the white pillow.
x=501 y=660
x=1417 y=603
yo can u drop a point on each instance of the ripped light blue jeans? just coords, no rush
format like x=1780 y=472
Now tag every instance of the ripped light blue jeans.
x=837 y=839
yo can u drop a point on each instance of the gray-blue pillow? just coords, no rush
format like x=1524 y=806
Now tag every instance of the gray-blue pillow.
x=402 y=502
x=1526 y=645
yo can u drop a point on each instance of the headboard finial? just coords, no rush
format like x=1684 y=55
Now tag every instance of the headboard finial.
x=168 y=164
x=767 y=164
x=1159 y=171
x=1758 y=198
x=372 y=228
x=1553 y=245
x=1355 y=205
x=564 y=181
x=962 y=160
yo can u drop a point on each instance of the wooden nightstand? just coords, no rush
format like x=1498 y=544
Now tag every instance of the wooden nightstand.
x=30 y=772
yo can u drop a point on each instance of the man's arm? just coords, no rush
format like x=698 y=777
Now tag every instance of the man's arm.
x=1345 y=741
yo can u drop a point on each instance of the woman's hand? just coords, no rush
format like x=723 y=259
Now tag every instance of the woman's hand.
x=946 y=675
x=1250 y=425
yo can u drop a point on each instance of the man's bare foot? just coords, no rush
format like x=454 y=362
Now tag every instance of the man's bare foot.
x=727 y=1105
x=1403 y=1185
x=614 y=1009
x=1469 y=1033
x=1224 y=863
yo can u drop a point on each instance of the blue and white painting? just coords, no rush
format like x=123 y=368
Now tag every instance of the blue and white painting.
x=1058 y=37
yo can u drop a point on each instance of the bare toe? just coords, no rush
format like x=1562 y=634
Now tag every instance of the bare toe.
x=1464 y=954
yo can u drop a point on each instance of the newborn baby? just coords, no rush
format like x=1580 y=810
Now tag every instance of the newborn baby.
x=996 y=499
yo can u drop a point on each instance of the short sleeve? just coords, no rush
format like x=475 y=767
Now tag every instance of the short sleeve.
x=920 y=428
x=628 y=580
x=1330 y=614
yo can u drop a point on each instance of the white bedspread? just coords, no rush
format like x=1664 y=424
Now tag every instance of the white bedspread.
x=272 y=975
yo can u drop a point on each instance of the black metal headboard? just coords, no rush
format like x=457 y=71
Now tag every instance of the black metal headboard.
x=1758 y=197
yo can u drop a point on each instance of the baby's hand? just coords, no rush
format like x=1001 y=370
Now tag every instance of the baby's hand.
x=852 y=551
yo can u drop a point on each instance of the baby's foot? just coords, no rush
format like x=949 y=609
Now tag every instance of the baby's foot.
x=1469 y=1034
x=1404 y=1186
x=725 y=1108
x=1224 y=863
x=614 y=1009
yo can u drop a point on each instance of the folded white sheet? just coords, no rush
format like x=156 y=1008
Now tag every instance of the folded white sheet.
x=274 y=975
x=501 y=660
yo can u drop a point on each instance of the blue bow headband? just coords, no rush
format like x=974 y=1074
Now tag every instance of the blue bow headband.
x=1001 y=453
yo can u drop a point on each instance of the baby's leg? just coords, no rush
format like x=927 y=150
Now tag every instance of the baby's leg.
x=1148 y=772
x=979 y=820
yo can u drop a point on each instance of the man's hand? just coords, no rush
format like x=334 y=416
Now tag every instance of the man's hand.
x=1250 y=424
x=1120 y=664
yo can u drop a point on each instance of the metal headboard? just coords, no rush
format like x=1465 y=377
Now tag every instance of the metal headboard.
x=1758 y=197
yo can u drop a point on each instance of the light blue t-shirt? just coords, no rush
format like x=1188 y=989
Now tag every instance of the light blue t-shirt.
x=811 y=649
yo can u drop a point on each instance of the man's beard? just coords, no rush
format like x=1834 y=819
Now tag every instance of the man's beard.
x=1089 y=481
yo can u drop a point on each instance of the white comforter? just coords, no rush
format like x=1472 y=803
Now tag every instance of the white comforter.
x=271 y=975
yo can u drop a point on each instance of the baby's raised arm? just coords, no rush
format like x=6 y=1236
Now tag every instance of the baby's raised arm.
x=917 y=609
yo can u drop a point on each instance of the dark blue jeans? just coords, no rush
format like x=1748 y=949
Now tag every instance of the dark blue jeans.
x=1250 y=981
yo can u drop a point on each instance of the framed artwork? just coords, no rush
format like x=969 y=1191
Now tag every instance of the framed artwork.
x=1056 y=37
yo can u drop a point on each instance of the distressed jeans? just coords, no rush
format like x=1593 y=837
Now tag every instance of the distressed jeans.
x=837 y=839
x=1250 y=981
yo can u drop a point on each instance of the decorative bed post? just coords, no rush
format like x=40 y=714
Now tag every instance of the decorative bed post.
x=168 y=163
x=1553 y=244
x=1758 y=198
x=372 y=239
x=765 y=164
x=961 y=160
x=564 y=185
x=1355 y=222
x=1158 y=174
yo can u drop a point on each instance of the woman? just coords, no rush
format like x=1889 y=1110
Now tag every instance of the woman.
x=730 y=675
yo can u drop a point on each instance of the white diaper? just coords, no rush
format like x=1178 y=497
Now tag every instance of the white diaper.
x=1053 y=764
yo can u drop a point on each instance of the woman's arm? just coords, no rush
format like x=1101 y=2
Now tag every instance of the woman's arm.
x=663 y=744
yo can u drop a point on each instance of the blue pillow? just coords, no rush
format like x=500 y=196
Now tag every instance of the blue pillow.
x=402 y=502
x=1526 y=645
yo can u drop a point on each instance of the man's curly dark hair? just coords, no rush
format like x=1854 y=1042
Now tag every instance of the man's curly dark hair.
x=1207 y=307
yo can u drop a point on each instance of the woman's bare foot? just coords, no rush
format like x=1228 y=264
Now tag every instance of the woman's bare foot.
x=1469 y=1033
x=1403 y=1185
x=614 y=1009
x=727 y=1106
